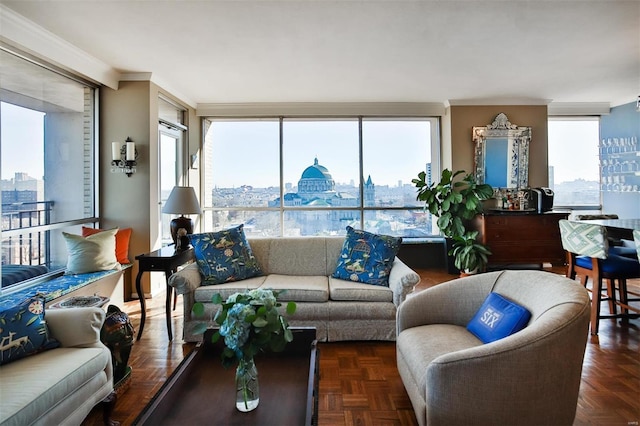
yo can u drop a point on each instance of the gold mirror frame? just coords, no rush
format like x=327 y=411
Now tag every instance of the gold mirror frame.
x=502 y=154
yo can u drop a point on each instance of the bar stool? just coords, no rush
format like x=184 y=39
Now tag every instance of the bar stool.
x=615 y=246
x=588 y=256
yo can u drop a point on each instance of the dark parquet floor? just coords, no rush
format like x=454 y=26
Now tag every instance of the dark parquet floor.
x=359 y=382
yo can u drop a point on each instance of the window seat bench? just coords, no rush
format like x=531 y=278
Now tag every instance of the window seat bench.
x=105 y=283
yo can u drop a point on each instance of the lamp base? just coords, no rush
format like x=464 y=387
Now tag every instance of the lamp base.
x=180 y=222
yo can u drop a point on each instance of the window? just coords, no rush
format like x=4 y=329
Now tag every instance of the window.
x=574 y=169
x=48 y=169
x=314 y=176
x=171 y=143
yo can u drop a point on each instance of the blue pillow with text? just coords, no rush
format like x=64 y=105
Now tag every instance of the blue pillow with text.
x=498 y=317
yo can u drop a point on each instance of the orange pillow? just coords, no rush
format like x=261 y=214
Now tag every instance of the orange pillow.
x=122 y=242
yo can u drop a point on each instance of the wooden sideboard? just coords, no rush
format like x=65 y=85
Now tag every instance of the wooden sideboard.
x=517 y=238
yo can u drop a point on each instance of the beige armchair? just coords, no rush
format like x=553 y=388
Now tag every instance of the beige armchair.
x=529 y=378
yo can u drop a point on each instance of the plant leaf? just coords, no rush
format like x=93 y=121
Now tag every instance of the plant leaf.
x=198 y=309
x=260 y=322
x=200 y=328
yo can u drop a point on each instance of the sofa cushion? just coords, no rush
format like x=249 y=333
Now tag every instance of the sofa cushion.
x=91 y=254
x=224 y=256
x=23 y=331
x=205 y=293
x=497 y=318
x=421 y=345
x=298 y=256
x=344 y=290
x=367 y=257
x=299 y=288
x=30 y=398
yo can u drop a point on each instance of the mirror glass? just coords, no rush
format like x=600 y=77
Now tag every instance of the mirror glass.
x=502 y=154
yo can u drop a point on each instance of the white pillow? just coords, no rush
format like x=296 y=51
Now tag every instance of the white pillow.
x=91 y=254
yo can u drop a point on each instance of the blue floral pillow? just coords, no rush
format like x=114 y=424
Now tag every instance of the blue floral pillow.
x=367 y=257
x=224 y=256
x=23 y=331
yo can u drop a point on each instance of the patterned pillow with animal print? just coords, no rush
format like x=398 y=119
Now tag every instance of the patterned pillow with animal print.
x=224 y=256
x=23 y=331
x=367 y=257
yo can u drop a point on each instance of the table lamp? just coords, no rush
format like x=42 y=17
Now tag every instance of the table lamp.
x=182 y=200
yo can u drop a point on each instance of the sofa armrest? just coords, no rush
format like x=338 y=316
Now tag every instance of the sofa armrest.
x=76 y=327
x=402 y=280
x=187 y=279
x=185 y=282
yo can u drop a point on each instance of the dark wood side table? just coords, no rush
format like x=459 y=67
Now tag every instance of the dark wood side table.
x=167 y=260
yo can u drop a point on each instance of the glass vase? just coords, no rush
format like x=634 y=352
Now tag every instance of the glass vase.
x=247 y=391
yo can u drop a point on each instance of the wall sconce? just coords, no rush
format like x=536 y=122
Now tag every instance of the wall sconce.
x=123 y=157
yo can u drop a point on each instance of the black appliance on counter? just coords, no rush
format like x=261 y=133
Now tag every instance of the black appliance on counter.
x=541 y=199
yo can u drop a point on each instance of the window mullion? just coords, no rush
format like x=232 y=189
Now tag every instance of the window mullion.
x=361 y=172
x=281 y=156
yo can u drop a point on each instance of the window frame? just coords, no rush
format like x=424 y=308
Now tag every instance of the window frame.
x=92 y=218
x=362 y=209
x=579 y=207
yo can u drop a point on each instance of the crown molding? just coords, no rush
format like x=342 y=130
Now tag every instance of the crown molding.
x=136 y=76
x=17 y=31
x=163 y=84
x=496 y=101
x=579 y=108
x=329 y=109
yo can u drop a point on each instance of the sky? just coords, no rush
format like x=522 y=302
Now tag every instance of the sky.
x=22 y=141
x=392 y=151
x=573 y=144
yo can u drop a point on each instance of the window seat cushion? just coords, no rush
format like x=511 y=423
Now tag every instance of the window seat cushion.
x=56 y=287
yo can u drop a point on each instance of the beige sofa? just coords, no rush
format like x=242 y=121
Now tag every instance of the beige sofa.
x=529 y=378
x=60 y=386
x=338 y=309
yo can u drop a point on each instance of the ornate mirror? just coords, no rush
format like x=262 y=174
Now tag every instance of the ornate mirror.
x=502 y=154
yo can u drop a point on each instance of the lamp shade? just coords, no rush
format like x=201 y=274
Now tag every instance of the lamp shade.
x=182 y=200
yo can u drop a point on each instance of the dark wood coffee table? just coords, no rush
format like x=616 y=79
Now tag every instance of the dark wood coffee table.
x=202 y=392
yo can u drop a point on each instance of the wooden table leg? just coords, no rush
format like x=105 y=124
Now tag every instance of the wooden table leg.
x=143 y=313
x=168 y=274
x=596 y=297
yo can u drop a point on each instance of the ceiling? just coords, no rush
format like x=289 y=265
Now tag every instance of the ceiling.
x=437 y=51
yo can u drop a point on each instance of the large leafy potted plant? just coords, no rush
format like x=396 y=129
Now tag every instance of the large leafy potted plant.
x=469 y=255
x=455 y=200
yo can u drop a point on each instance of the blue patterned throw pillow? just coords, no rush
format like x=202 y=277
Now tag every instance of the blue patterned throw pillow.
x=224 y=256
x=498 y=317
x=367 y=257
x=23 y=331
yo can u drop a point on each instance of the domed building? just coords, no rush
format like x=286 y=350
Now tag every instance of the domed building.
x=317 y=189
x=316 y=182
